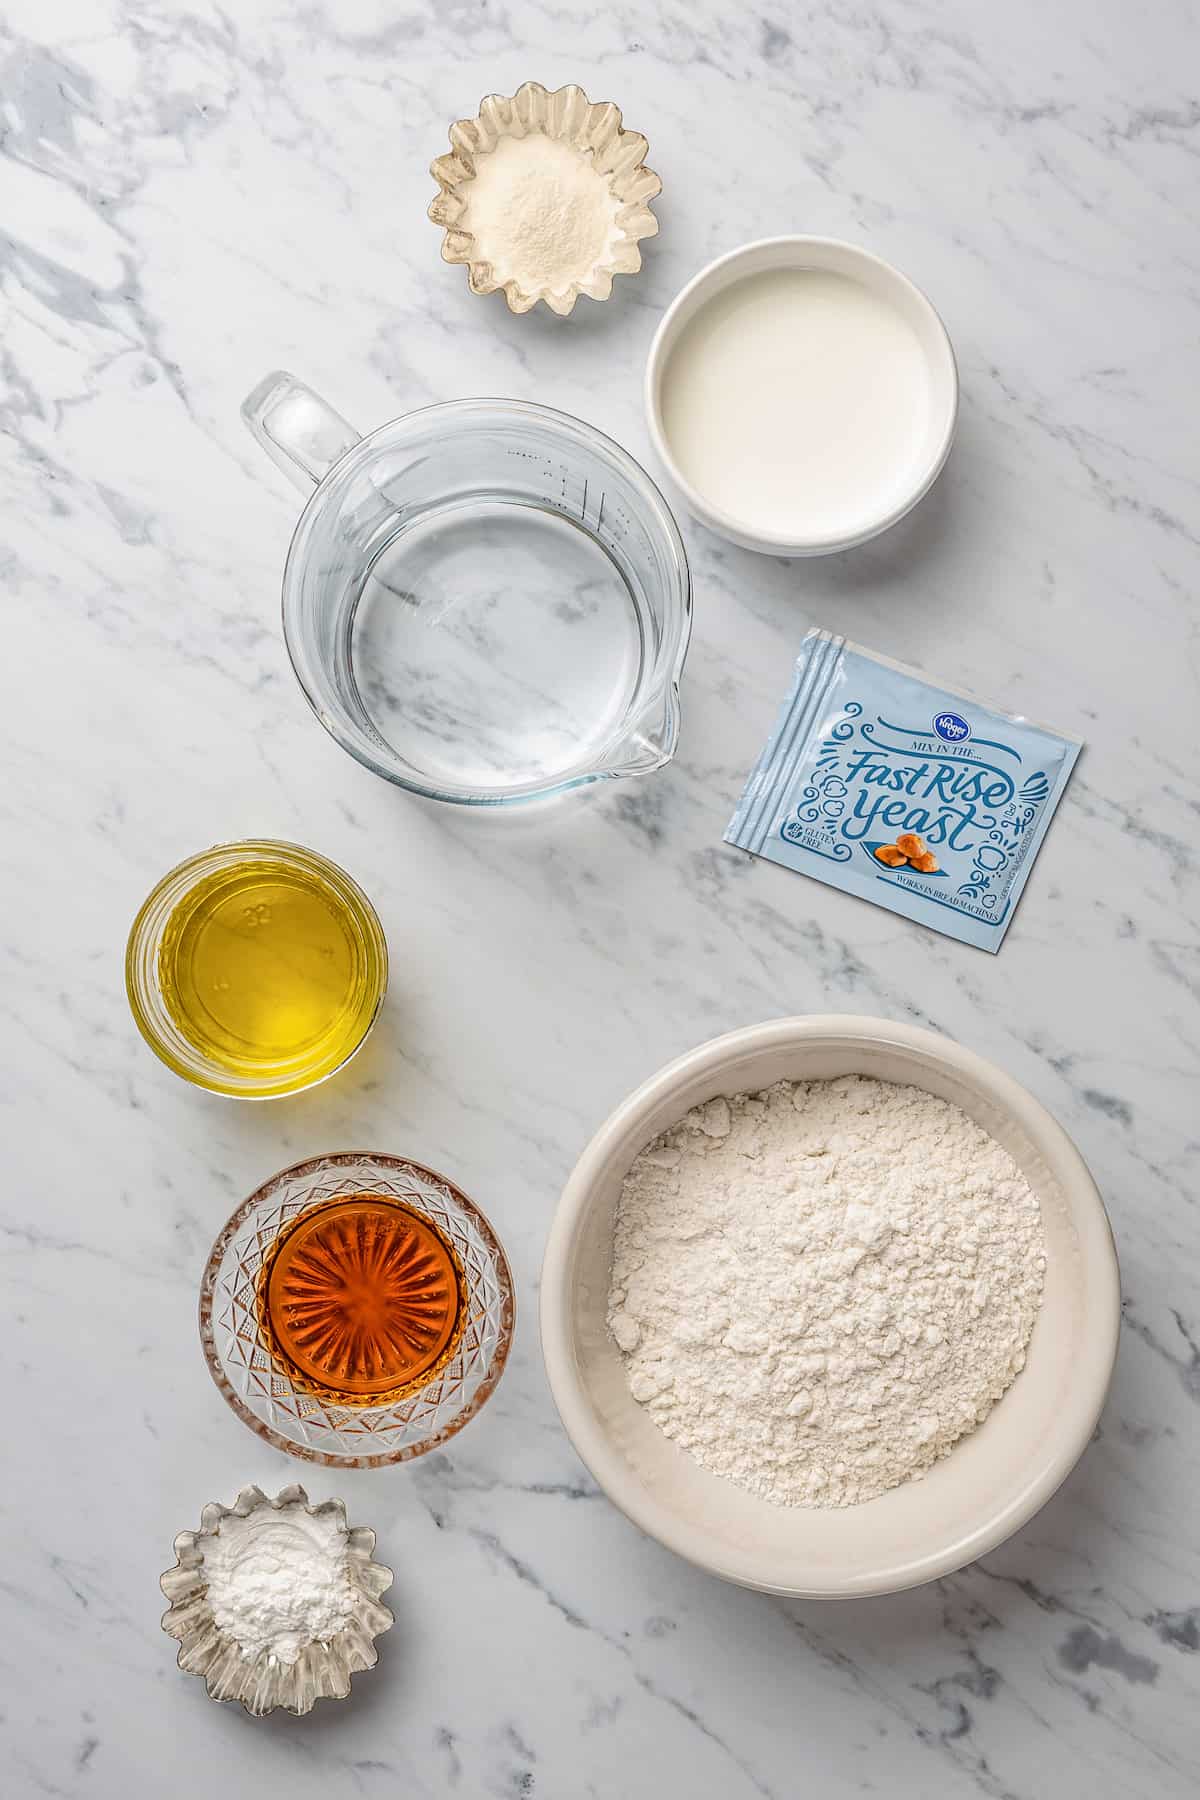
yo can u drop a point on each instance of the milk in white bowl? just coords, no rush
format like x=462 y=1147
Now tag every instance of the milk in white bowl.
x=802 y=394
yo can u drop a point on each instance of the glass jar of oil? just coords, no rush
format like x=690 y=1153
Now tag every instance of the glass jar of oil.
x=256 y=969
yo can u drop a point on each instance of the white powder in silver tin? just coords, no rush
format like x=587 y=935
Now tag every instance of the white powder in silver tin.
x=278 y=1580
x=819 y=1289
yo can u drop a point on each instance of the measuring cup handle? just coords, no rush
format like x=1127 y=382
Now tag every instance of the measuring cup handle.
x=301 y=435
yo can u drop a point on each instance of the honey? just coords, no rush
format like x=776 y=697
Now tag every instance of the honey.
x=272 y=968
x=362 y=1300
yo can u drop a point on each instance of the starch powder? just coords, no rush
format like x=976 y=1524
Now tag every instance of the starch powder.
x=819 y=1289
x=278 y=1580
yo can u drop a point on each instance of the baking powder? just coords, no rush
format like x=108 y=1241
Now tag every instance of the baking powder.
x=819 y=1289
x=278 y=1580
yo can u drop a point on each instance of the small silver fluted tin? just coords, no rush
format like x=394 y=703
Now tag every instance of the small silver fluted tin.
x=261 y=1683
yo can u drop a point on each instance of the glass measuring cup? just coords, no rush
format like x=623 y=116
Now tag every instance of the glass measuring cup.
x=484 y=601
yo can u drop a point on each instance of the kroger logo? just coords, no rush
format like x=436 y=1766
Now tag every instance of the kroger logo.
x=952 y=728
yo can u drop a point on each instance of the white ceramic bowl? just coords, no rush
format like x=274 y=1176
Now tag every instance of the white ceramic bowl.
x=920 y=465
x=991 y=1483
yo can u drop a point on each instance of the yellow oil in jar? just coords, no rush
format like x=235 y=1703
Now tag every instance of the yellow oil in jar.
x=273 y=969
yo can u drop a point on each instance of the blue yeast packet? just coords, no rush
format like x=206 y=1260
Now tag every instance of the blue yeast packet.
x=866 y=752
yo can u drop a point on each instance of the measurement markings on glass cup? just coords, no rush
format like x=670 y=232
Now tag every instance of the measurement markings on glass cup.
x=583 y=518
x=599 y=510
x=561 y=477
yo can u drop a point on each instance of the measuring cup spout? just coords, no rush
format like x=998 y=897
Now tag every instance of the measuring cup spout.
x=650 y=743
x=301 y=434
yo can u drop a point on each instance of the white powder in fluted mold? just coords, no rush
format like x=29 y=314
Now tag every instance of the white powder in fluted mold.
x=541 y=213
x=278 y=1580
x=817 y=1290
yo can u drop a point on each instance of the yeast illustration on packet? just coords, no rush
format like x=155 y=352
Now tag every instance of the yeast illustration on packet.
x=911 y=795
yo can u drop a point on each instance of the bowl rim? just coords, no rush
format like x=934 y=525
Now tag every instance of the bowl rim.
x=1088 y=1214
x=305 y=1452
x=784 y=251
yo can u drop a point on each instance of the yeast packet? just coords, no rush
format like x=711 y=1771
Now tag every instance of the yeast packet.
x=910 y=794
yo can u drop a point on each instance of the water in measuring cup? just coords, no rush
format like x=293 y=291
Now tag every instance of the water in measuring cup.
x=495 y=643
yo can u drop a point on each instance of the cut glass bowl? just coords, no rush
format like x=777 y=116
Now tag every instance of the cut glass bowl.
x=261 y=1389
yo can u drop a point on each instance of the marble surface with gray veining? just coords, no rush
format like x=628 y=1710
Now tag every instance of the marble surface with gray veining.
x=193 y=193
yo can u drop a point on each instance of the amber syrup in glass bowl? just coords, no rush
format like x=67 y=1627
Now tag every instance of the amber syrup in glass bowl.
x=362 y=1300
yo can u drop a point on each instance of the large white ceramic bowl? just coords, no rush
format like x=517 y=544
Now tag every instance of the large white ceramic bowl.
x=992 y=1481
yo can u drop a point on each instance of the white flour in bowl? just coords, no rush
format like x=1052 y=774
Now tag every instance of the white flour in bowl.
x=818 y=1289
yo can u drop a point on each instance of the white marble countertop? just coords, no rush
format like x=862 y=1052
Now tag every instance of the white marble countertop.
x=195 y=193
